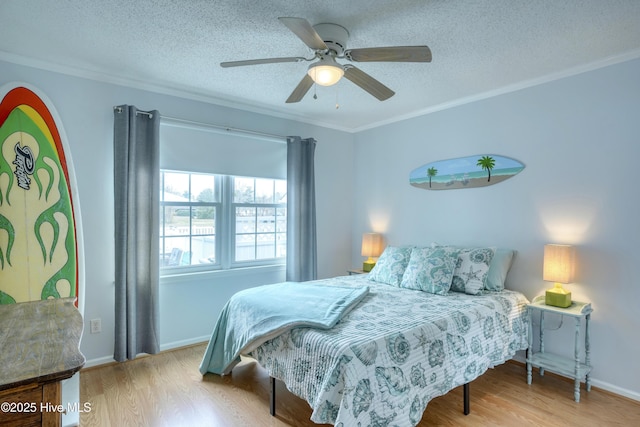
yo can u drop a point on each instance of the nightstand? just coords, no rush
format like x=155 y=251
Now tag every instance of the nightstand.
x=573 y=368
x=356 y=271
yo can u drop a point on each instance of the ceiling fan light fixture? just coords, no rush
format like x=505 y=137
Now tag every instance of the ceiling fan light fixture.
x=326 y=72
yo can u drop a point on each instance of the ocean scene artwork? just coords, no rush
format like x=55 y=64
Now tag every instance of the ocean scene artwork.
x=465 y=172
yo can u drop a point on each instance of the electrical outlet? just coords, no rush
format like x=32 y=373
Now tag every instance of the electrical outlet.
x=96 y=326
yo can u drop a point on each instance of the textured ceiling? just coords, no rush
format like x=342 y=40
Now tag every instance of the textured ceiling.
x=479 y=47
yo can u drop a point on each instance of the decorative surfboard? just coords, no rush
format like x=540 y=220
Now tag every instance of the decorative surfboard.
x=40 y=244
x=465 y=172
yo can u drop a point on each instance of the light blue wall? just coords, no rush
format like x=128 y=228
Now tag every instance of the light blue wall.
x=577 y=136
x=188 y=307
x=579 y=139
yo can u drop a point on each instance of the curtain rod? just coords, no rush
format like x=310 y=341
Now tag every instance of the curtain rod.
x=182 y=122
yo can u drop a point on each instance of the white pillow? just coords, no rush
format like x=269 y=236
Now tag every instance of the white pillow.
x=472 y=268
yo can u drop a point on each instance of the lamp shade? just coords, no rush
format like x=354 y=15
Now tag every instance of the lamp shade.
x=326 y=72
x=559 y=263
x=371 y=244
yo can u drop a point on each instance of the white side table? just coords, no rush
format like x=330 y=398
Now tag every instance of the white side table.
x=356 y=271
x=573 y=368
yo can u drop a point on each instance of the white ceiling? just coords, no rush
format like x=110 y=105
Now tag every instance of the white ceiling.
x=480 y=47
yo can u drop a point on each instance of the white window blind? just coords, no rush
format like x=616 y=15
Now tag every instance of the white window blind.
x=209 y=150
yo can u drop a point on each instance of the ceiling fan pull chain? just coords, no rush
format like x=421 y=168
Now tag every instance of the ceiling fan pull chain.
x=337 y=93
x=315 y=91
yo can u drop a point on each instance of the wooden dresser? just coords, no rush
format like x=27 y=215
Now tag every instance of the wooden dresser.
x=39 y=347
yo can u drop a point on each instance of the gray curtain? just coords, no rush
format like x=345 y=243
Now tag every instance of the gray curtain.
x=136 y=190
x=301 y=210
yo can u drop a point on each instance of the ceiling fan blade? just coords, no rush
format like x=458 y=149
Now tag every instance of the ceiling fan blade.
x=301 y=90
x=301 y=28
x=368 y=83
x=390 y=54
x=262 y=61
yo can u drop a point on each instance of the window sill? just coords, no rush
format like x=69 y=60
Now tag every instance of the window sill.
x=198 y=276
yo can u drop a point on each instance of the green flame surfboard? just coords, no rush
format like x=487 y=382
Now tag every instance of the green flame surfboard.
x=39 y=245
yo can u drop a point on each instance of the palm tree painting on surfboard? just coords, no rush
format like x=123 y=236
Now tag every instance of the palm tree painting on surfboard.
x=465 y=172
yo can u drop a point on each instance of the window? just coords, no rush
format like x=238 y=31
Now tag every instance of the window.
x=190 y=207
x=212 y=221
x=260 y=218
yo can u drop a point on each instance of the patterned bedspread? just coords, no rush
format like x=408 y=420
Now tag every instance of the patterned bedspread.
x=394 y=352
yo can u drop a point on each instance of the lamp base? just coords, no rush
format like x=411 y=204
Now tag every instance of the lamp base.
x=368 y=266
x=557 y=299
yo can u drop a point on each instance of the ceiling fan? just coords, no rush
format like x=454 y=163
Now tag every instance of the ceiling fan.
x=329 y=42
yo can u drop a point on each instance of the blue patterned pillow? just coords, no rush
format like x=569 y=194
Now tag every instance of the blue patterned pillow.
x=391 y=265
x=472 y=268
x=430 y=269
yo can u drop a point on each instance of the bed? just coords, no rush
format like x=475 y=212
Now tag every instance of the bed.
x=398 y=347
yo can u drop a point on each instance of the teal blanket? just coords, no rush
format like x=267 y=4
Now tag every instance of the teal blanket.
x=254 y=316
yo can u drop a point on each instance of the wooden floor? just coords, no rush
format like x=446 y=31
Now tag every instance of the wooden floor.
x=168 y=390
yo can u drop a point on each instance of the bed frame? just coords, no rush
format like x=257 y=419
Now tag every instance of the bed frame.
x=272 y=397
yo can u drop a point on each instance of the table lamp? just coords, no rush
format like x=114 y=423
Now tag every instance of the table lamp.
x=371 y=247
x=559 y=263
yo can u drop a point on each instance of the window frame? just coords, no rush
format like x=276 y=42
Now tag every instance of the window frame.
x=225 y=223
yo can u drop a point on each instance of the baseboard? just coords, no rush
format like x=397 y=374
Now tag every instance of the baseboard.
x=184 y=343
x=633 y=395
x=603 y=385
x=163 y=347
x=98 y=361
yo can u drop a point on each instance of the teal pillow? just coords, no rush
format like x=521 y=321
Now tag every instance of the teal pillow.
x=391 y=265
x=430 y=270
